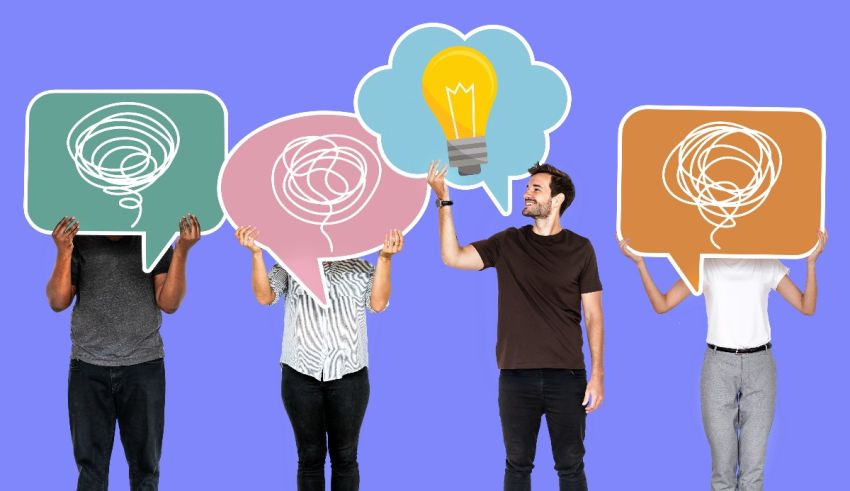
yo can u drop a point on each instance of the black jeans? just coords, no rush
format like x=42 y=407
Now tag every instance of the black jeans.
x=134 y=396
x=326 y=415
x=526 y=395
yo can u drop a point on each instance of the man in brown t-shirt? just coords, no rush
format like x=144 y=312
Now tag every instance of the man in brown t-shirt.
x=546 y=275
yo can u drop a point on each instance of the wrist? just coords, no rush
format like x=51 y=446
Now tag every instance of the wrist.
x=442 y=202
x=386 y=256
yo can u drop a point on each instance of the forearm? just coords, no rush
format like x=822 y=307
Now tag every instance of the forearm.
x=449 y=246
x=656 y=298
x=60 y=292
x=259 y=279
x=174 y=288
x=381 y=285
x=810 y=296
x=596 y=342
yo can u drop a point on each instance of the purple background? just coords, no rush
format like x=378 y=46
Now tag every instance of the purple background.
x=433 y=420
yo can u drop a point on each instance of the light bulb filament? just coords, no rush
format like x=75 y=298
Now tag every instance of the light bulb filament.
x=453 y=92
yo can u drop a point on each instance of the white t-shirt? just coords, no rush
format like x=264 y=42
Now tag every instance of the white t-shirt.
x=736 y=293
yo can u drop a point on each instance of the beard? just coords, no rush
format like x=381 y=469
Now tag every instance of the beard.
x=537 y=210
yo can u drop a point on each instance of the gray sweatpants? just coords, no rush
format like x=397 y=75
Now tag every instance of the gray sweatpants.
x=738 y=393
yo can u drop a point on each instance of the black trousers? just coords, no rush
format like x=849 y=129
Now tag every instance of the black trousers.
x=133 y=396
x=326 y=416
x=525 y=396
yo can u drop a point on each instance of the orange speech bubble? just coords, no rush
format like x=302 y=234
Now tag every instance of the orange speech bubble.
x=698 y=182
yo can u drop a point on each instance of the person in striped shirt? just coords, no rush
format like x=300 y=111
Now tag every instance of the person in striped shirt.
x=325 y=381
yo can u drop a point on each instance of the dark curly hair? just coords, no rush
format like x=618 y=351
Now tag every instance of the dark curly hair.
x=560 y=183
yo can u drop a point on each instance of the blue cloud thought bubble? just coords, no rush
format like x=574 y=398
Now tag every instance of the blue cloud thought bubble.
x=531 y=100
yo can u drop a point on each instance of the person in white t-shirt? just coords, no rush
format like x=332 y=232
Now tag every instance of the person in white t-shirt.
x=738 y=380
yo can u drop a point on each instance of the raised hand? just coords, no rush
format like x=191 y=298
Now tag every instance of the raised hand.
x=628 y=252
x=437 y=180
x=393 y=242
x=64 y=232
x=190 y=232
x=822 y=238
x=246 y=235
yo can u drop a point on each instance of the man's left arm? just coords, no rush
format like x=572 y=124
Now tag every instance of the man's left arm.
x=595 y=325
x=170 y=287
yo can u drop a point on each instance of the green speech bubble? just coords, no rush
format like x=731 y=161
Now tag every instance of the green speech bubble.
x=125 y=163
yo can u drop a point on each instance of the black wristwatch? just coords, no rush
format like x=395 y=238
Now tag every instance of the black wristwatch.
x=443 y=202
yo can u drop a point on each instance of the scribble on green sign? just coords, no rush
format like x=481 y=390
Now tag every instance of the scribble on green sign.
x=125 y=162
x=123 y=148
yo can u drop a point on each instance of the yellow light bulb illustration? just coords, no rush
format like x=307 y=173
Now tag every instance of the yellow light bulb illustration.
x=459 y=85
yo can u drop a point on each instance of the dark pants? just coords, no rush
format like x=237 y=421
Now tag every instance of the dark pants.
x=526 y=395
x=134 y=396
x=326 y=416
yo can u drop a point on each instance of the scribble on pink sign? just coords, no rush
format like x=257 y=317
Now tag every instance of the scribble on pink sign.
x=316 y=187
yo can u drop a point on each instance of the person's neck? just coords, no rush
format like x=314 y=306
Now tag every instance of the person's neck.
x=546 y=226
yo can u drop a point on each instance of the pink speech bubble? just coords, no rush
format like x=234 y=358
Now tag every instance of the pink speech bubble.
x=317 y=188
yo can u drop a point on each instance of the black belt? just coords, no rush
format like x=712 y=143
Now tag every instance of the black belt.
x=740 y=350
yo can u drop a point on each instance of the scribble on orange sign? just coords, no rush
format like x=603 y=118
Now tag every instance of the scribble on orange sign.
x=698 y=182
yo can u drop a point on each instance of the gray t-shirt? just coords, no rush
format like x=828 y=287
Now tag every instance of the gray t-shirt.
x=115 y=320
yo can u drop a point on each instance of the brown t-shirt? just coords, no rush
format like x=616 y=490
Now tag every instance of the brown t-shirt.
x=541 y=280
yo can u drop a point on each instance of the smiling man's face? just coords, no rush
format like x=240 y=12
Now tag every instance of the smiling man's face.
x=538 y=196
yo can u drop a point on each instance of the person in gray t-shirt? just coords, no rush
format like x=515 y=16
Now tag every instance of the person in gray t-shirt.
x=116 y=372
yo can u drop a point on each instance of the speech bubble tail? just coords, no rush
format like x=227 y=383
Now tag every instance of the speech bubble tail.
x=154 y=245
x=499 y=190
x=312 y=278
x=689 y=267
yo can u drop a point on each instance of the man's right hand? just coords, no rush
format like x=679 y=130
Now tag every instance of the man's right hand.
x=437 y=180
x=64 y=232
x=246 y=235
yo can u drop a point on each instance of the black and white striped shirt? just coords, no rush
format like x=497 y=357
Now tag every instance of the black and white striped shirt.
x=326 y=344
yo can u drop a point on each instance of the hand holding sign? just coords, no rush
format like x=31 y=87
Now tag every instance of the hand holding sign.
x=126 y=163
x=316 y=186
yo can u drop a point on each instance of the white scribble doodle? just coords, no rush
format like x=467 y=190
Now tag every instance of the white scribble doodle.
x=325 y=180
x=705 y=153
x=122 y=149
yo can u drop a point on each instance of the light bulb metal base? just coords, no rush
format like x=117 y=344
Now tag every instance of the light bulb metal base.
x=467 y=154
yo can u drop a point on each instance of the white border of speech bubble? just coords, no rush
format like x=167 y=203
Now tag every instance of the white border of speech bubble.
x=697 y=289
x=319 y=260
x=112 y=232
x=534 y=62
